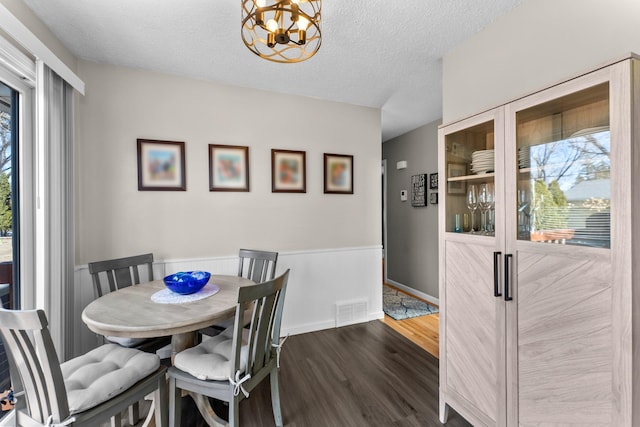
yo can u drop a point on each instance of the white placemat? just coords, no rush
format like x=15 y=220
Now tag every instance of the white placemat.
x=167 y=296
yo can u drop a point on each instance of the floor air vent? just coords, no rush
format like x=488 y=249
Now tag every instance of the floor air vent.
x=350 y=312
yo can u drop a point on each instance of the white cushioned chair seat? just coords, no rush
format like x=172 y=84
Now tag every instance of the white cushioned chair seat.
x=211 y=359
x=103 y=373
x=126 y=342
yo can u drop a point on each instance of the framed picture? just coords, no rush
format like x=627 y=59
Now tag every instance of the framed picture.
x=228 y=168
x=433 y=198
x=338 y=174
x=161 y=166
x=418 y=190
x=455 y=170
x=433 y=181
x=288 y=171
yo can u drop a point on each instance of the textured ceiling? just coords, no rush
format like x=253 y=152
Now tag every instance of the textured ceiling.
x=375 y=53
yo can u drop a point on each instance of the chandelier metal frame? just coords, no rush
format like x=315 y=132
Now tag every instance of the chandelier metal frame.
x=285 y=31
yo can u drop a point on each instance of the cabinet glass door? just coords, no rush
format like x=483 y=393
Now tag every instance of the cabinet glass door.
x=470 y=171
x=563 y=185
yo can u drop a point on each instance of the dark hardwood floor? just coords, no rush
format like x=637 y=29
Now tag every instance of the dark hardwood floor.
x=360 y=375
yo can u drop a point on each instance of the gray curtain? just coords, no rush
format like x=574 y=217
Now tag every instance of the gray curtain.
x=56 y=198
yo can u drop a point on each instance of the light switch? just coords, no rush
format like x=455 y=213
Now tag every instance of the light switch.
x=403 y=195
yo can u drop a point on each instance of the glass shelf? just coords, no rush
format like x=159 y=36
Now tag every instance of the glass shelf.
x=471 y=177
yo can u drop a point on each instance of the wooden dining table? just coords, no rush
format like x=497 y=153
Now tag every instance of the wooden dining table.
x=130 y=313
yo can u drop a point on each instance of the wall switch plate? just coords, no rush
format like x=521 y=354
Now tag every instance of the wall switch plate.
x=403 y=195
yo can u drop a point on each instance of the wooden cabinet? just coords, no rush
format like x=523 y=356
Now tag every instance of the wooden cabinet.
x=537 y=326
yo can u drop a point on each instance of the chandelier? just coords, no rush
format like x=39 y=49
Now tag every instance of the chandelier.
x=282 y=30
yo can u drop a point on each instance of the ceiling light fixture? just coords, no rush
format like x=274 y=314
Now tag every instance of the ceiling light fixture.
x=282 y=30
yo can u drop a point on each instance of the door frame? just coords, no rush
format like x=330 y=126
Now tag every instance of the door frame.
x=384 y=220
x=24 y=272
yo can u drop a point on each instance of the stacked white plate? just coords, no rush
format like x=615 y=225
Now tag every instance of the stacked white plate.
x=589 y=131
x=482 y=161
x=524 y=157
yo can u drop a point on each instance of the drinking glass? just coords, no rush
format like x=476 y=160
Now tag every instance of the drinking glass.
x=484 y=204
x=472 y=204
x=492 y=208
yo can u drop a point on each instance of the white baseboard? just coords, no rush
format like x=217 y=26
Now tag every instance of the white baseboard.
x=376 y=316
x=309 y=327
x=313 y=327
x=419 y=294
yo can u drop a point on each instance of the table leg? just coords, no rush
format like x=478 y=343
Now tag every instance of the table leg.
x=181 y=342
x=178 y=343
x=150 y=421
x=203 y=405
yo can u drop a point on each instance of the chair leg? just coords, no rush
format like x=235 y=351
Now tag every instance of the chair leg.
x=275 y=397
x=234 y=412
x=160 y=400
x=116 y=421
x=134 y=413
x=175 y=404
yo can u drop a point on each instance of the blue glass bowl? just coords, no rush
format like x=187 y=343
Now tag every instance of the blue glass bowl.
x=187 y=282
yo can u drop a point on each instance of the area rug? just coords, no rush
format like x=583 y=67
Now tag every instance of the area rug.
x=402 y=306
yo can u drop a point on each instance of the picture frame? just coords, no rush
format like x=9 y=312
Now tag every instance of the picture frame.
x=433 y=181
x=418 y=190
x=161 y=165
x=455 y=170
x=338 y=173
x=288 y=171
x=228 y=167
x=433 y=198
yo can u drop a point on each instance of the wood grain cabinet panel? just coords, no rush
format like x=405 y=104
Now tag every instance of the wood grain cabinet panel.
x=472 y=342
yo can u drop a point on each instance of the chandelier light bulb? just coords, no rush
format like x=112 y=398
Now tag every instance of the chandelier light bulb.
x=272 y=25
x=303 y=23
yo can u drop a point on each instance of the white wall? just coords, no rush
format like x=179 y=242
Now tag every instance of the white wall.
x=412 y=232
x=537 y=44
x=115 y=219
x=331 y=242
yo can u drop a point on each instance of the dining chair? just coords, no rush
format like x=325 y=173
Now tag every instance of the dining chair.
x=255 y=265
x=228 y=366
x=121 y=273
x=258 y=266
x=84 y=391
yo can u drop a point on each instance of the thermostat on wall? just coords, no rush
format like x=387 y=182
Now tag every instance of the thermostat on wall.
x=401 y=164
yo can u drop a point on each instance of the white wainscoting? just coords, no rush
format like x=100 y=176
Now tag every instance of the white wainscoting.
x=319 y=279
x=414 y=292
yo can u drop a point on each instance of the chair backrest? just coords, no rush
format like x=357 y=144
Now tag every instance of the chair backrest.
x=31 y=350
x=120 y=272
x=257 y=265
x=264 y=329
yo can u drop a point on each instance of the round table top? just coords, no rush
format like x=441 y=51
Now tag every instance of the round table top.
x=130 y=313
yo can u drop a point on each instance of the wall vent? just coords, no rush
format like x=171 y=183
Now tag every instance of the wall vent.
x=350 y=312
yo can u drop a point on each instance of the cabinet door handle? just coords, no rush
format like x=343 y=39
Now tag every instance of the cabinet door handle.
x=496 y=274
x=507 y=275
